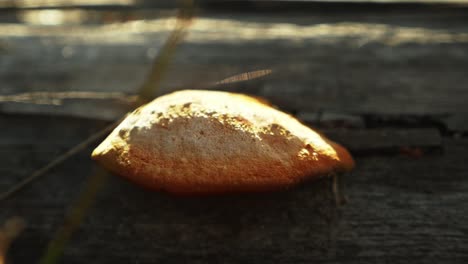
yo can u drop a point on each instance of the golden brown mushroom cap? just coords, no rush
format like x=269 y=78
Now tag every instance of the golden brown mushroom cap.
x=208 y=142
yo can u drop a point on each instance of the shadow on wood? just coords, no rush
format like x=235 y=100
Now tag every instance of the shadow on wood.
x=234 y=227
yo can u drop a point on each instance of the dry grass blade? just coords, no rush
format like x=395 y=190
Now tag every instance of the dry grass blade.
x=245 y=76
x=96 y=180
x=75 y=217
x=36 y=174
x=87 y=196
x=10 y=230
x=340 y=199
x=146 y=92
x=161 y=62
x=56 y=98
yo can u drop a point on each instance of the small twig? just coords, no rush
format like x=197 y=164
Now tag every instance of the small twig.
x=58 y=160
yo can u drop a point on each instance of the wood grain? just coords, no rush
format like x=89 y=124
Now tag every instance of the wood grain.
x=345 y=63
x=399 y=209
x=377 y=82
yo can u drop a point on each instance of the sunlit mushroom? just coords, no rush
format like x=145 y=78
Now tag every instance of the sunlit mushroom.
x=210 y=142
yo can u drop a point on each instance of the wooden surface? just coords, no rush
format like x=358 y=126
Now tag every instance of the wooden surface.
x=390 y=87
x=359 y=63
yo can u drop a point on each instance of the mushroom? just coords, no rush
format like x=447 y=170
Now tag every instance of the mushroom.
x=196 y=142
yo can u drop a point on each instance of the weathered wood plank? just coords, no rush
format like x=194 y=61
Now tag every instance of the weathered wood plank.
x=365 y=63
x=456 y=123
x=204 y=226
x=399 y=209
x=413 y=142
x=408 y=210
x=392 y=66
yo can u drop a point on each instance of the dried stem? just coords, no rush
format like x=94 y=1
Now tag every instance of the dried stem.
x=36 y=174
x=340 y=199
x=166 y=53
x=56 y=98
x=147 y=91
x=245 y=76
x=75 y=217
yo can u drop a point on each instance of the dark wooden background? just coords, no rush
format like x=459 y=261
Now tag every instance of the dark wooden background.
x=389 y=82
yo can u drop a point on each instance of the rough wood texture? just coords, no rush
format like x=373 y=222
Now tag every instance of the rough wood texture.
x=379 y=74
x=388 y=141
x=399 y=209
x=344 y=62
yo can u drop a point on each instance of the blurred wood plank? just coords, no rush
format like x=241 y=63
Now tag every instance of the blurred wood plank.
x=62 y=3
x=347 y=64
x=218 y=4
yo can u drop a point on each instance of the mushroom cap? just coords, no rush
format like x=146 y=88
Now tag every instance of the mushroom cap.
x=212 y=142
